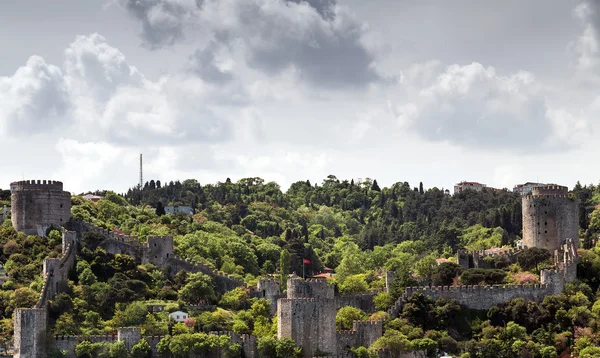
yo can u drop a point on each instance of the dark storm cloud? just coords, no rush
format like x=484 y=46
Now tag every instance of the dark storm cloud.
x=322 y=42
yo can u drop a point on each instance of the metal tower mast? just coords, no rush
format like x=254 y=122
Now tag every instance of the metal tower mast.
x=141 y=174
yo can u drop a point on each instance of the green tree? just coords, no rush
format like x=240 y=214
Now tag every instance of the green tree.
x=346 y=316
x=284 y=268
x=199 y=287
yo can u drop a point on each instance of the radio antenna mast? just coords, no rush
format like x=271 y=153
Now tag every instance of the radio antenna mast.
x=141 y=174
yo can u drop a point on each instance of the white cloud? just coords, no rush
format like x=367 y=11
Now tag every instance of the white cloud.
x=474 y=106
x=34 y=99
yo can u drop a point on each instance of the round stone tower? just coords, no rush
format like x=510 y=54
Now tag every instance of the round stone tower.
x=35 y=205
x=550 y=217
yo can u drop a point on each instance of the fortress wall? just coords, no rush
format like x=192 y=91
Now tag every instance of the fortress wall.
x=115 y=247
x=271 y=290
x=309 y=322
x=367 y=332
x=310 y=288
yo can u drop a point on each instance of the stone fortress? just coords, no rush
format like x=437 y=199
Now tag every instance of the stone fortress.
x=306 y=312
x=37 y=205
x=549 y=217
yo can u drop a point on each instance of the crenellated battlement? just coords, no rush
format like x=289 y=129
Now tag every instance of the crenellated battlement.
x=36 y=185
x=310 y=288
x=549 y=190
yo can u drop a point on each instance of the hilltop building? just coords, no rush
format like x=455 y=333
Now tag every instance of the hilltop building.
x=468 y=185
x=526 y=188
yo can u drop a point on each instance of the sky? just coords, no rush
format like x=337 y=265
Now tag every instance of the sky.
x=394 y=90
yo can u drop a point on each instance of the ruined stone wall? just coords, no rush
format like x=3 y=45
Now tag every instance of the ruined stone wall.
x=310 y=288
x=310 y=322
x=549 y=217
x=39 y=204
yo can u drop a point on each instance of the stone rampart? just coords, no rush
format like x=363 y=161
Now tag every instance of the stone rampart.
x=40 y=203
x=477 y=297
x=309 y=322
x=310 y=288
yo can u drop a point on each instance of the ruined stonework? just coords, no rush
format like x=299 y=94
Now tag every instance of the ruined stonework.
x=37 y=205
x=549 y=217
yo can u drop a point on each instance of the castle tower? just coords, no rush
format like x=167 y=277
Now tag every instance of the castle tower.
x=550 y=217
x=36 y=205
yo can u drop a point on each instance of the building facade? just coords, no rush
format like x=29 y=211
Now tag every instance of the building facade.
x=525 y=189
x=468 y=185
x=188 y=210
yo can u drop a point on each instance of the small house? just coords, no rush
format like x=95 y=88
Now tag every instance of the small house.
x=178 y=316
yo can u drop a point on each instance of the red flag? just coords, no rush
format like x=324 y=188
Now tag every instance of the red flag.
x=306 y=262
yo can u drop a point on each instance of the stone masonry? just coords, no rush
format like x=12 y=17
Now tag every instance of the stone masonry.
x=308 y=314
x=37 y=205
x=550 y=216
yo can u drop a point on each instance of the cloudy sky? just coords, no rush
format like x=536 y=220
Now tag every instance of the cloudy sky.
x=499 y=92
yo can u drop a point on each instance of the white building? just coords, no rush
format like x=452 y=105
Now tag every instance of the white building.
x=179 y=209
x=178 y=316
x=468 y=185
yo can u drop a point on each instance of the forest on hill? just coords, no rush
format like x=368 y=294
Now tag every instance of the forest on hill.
x=251 y=229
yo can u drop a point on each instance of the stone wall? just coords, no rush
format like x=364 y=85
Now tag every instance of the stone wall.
x=363 y=334
x=269 y=289
x=549 y=217
x=477 y=297
x=30 y=332
x=310 y=322
x=39 y=203
x=310 y=288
